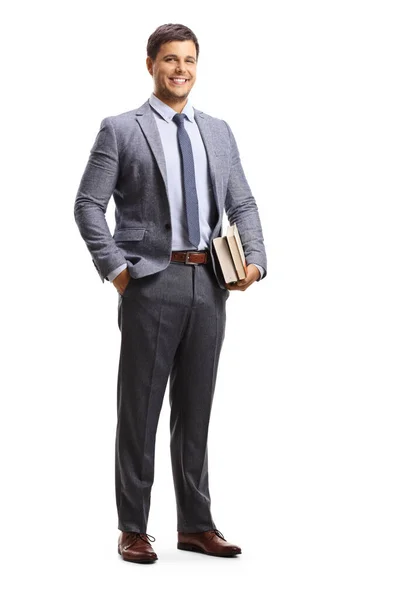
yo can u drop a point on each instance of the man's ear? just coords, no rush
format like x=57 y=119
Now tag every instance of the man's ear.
x=149 y=65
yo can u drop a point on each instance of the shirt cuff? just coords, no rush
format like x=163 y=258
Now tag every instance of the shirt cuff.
x=261 y=269
x=116 y=272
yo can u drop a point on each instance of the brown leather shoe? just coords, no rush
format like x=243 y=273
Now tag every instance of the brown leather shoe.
x=136 y=547
x=208 y=542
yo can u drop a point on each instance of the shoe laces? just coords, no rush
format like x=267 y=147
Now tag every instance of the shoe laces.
x=218 y=533
x=136 y=535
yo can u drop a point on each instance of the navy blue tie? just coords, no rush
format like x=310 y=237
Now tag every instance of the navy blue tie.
x=189 y=181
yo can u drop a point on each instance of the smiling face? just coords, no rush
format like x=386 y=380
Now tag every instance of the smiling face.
x=174 y=72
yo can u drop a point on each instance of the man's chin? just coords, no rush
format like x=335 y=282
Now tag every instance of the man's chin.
x=179 y=91
x=176 y=95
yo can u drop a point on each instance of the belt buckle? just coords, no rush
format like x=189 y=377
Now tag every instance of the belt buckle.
x=187 y=261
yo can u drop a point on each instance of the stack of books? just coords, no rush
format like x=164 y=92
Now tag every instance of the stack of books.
x=229 y=251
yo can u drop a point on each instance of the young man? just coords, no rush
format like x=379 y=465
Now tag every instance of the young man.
x=172 y=170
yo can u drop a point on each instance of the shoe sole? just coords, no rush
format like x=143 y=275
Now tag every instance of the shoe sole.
x=192 y=548
x=138 y=560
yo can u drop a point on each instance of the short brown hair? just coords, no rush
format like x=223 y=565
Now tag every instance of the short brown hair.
x=169 y=33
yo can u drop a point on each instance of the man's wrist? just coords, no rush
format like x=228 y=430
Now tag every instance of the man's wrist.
x=115 y=272
x=261 y=269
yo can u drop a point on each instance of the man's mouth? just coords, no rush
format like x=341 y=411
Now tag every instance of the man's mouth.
x=178 y=80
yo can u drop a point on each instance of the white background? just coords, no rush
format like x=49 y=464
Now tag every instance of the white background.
x=304 y=434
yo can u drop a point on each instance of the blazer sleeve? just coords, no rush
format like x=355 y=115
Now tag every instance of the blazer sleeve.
x=96 y=187
x=241 y=208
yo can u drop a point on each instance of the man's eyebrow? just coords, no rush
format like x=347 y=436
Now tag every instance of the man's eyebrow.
x=176 y=56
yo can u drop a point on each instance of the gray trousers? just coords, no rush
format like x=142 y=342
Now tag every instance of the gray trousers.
x=172 y=324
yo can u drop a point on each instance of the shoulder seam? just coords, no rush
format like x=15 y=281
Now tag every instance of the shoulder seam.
x=114 y=134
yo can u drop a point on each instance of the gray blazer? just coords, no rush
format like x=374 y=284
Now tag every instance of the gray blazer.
x=127 y=161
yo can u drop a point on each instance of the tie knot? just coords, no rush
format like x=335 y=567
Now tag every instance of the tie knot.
x=178 y=118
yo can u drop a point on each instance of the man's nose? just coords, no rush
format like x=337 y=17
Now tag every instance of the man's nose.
x=181 y=67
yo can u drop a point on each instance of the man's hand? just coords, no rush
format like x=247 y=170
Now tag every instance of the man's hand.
x=122 y=280
x=252 y=274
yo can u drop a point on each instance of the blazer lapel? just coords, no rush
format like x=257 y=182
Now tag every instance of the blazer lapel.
x=150 y=130
x=208 y=140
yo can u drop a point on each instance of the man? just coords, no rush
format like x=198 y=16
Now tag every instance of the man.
x=172 y=170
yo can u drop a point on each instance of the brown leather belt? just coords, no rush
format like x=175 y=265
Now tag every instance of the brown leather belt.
x=191 y=257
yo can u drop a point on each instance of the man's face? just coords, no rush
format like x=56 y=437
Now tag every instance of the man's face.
x=175 y=62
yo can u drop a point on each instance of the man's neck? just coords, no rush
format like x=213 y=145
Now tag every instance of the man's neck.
x=177 y=105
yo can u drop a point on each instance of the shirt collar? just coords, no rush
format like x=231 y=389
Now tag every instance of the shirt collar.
x=166 y=112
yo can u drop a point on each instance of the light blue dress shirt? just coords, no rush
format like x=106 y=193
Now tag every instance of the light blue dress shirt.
x=167 y=128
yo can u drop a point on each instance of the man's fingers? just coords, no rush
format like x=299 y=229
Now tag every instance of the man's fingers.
x=240 y=285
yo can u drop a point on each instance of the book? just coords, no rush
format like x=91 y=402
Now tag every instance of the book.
x=236 y=249
x=230 y=254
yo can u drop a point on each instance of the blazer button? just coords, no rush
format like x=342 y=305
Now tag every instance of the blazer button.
x=168 y=226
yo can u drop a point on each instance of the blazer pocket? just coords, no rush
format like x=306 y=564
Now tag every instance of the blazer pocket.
x=222 y=153
x=222 y=159
x=130 y=234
